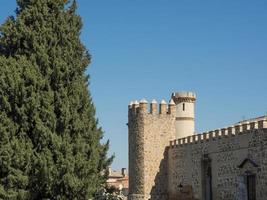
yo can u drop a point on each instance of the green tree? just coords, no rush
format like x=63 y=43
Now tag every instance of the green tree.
x=49 y=136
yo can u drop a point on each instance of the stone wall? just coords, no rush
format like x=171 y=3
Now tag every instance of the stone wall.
x=231 y=153
x=136 y=149
x=149 y=134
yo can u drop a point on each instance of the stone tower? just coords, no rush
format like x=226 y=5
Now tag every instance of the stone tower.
x=185 y=113
x=150 y=130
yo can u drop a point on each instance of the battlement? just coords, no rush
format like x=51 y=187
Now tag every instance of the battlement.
x=184 y=96
x=232 y=131
x=163 y=108
x=164 y=152
x=151 y=126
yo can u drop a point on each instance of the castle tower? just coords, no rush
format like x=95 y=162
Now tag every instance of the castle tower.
x=151 y=128
x=185 y=113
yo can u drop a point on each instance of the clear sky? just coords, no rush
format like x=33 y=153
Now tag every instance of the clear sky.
x=148 y=49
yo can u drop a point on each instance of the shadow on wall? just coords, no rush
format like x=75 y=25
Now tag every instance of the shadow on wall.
x=185 y=193
x=160 y=189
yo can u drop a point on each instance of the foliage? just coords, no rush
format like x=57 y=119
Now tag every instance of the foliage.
x=106 y=194
x=49 y=137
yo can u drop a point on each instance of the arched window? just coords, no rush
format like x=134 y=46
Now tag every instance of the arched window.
x=183 y=106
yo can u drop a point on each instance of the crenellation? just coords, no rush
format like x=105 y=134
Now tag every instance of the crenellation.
x=205 y=136
x=136 y=103
x=194 y=138
x=208 y=136
x=253 y=125
x=257 y=125
x=135 y=107
x=238 y=129
x=149 y=124
x=211 y=135
x=231 y=159
x=130 y=108
x=218 y=133
x=231 y=130
x=171 y=107
x=154 y=107
x=245 y=126
x=183 y=141
x=224 y=132
x=199 y=138
x=161 y=158
x=143 y=106
x=186 y=142
x=163 y=107
x=130 y=104
x=189 y=141
x=262 y=124
x=179 y=142
x=181 y=96
x=174 y=143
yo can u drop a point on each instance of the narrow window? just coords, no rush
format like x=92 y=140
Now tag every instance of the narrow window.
x=251 y=187
x=206 y=178
x=183 y=106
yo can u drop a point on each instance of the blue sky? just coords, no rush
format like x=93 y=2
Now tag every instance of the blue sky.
x=148 y=49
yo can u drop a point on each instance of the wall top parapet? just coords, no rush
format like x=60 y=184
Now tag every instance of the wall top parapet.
x=231 y=131
x=252 y=119
x=183 y=96
x=136 y=107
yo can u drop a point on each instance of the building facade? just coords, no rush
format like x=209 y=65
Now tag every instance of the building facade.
x=118 y=180
x=168 y=161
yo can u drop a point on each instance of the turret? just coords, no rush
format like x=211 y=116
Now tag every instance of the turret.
x=185 y=113
x=151 y=128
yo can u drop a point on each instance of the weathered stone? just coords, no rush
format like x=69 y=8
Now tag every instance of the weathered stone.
x=216 y=164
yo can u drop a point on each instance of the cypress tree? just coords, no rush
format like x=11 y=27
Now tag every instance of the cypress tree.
x=49 y=136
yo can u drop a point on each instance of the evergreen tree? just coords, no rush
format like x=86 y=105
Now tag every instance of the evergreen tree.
x=49 y=136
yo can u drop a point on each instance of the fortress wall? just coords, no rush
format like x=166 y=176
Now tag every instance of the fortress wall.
x=149 y=134
x=232 y=152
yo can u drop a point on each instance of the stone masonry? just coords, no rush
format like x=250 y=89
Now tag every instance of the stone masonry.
x=225 y=164
x=233 y=154
x=148 y=156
